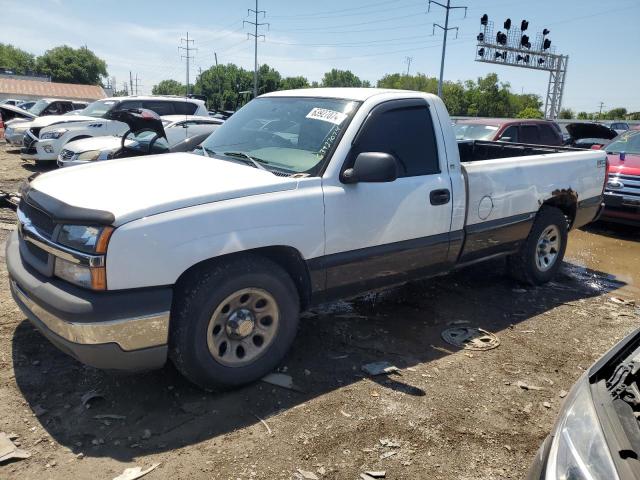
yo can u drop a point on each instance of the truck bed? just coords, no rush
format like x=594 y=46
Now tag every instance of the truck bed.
x=478 y=150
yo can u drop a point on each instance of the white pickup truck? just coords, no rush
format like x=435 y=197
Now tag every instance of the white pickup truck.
x=300 y=197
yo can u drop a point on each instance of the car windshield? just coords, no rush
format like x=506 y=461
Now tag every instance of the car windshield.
x=39 y=107
x=294 y=134
x=99 y=108
x=628 y=142
x=474 y=131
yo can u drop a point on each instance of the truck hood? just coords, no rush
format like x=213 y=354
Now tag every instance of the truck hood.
x=580 y=130
x=629 y=166
x=16 y=111
x=132 y=188
x=94 y=143
x=48 y=120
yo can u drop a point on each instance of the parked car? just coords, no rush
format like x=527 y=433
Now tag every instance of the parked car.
x=533 y=132
x=588 y=134
x=10 y=101
x=26 y=105
x=596 y=434
x=618 y=126
x=147 y=135
x=46 y=137
x=622 y=193
x=18 y=121
x=228 y=248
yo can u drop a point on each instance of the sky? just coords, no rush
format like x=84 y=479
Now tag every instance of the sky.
x=370 y=38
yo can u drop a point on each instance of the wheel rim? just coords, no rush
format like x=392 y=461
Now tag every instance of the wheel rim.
x=548 y=248
x=242 y=327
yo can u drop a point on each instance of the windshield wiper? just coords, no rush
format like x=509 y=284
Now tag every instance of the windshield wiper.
x=206 y=151
x=256 y=162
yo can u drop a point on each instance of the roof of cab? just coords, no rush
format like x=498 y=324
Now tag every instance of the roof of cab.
x=359 y=94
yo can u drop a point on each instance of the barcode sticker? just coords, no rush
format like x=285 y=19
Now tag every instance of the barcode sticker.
x=325 y=115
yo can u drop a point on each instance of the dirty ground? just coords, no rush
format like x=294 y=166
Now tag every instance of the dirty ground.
x=442 y=413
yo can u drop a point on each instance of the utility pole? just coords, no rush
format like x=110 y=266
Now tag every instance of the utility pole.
x=131 y=82
x=445 y=29
x=187 y=56
x=125 y=87
x=137 y=84
x=255 y=39
x=215 y=55
x=600 y=112
x=408 y=61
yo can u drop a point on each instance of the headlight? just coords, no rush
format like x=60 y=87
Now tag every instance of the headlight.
x=85 y=239
x=72 y=272
x=579 y=450
x=53 y=134
x=88 y=156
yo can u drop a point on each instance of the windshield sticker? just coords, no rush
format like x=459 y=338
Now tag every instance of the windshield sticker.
x=326 y=115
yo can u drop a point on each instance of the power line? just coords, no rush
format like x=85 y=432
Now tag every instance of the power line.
x=188 y=57
x=360 y=7
x=359 y=13
x=255 y=36
x=445 y=29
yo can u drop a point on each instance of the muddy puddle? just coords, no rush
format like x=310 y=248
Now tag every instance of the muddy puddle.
x=605 y=256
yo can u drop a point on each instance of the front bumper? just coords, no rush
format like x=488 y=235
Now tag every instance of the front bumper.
x=121 y=330
x=13 y=138
x=42 y=150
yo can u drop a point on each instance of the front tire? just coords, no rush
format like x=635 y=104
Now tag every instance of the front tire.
x=233 y=322
x=541 y=255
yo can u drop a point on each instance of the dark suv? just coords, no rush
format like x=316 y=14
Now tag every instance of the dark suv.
x=533 y=132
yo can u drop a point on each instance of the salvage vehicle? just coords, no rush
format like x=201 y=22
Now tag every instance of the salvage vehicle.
x=533 y=132
x=589 y=134
x=209 y=260
x=622 y=193
x=618 y=126
x=597 y=435
x=147 y=134
x=18 y=121
x=46 y=137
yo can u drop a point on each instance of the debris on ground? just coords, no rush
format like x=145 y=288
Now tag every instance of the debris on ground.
x=470 y=338
x=135 y=472
x=281 y=380
x=9 y=451
x=373 y=475
x=379 y=368
x=308 y=475
x=88 y=397
x=563 y=393
x=622 y=301
x=526 y=386
x=527 y=408
x=546 y=404
x=109 y=416
x=387 y=455
x=385 y=442
x=510 y=368
x=263 y=422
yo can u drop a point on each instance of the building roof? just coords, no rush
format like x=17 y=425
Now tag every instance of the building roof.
x=13 y=86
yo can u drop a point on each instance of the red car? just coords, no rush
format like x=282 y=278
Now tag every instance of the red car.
x=622 y=192
x=534 y=132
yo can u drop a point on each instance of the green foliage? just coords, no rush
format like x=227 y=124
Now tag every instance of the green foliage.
x=169 y=87
x=583 y=116
x=530 y=112
x=619 y=113
x=19 y=61
x=293 y=83
x=71 y=65
x=634 y=116
x=222 y=85
x=341 y=78
x=566 y=114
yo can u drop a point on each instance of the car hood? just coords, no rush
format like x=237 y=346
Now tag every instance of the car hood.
x=49 y=120
x=589 y=130
x=94 y=143
x=133 y=188
x=629 y=166
x=19 y=123
x=16 y=111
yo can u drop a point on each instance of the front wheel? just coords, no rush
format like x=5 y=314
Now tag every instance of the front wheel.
x=233 y=322
x=540 y=256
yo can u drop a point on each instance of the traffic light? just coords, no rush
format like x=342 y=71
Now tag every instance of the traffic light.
x=545 y=32
x=524 y=41
x=546 y=44
x=540 y=61
x=481 y=52
x=501 y=38
x=480 y=37
x=484 y=19
x=507 y=24
x=523 y=58
x=524 y=25
x=498 y=55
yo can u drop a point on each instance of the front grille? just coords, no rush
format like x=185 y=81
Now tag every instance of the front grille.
x=66 y=154
x=631 y=185
x=27 y=140
x=37 y=252
x=43 y=222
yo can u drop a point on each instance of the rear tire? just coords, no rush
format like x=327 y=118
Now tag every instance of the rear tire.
x=541 y=255
x=233 y=322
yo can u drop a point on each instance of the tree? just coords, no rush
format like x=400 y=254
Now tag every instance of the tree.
x=223 y=84
x=16 y=60
x=566 y=113
x=340 y=78
x=616 y=114
x=293 y=83
x=530 y=112
x=169 y=87
x=70 y=65
x=583 y=116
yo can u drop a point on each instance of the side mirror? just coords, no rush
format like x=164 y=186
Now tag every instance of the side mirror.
x=372 y=167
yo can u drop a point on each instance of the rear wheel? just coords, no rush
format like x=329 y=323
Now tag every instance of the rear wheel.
x=540 y=256
x=233 y=322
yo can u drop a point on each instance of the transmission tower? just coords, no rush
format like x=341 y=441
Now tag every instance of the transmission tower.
x=255 y=36
x=188 y=49
x=445 y=29
x=408 y=61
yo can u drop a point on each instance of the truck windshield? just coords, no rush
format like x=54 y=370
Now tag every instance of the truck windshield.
x=99 y=108
x=474 y=131
x=293 y=134
x=628 y=142
x=38 y=107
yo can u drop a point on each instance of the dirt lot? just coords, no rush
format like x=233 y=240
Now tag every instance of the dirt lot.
x=448 y=414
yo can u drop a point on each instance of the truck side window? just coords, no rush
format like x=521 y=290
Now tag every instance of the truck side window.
x=407 y=134
x=548 y=135
x=529 y=134
x=511 y=133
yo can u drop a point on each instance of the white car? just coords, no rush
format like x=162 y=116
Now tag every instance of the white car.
x=208 y=260
x=46 y=137
x=183 y=133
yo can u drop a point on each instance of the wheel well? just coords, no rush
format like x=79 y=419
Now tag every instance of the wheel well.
x=566 y=201
x=286 y=257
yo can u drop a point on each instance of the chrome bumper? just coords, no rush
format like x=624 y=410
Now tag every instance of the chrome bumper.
x=129 y=334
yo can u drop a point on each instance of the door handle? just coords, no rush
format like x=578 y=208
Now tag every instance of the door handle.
x=440 y=197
